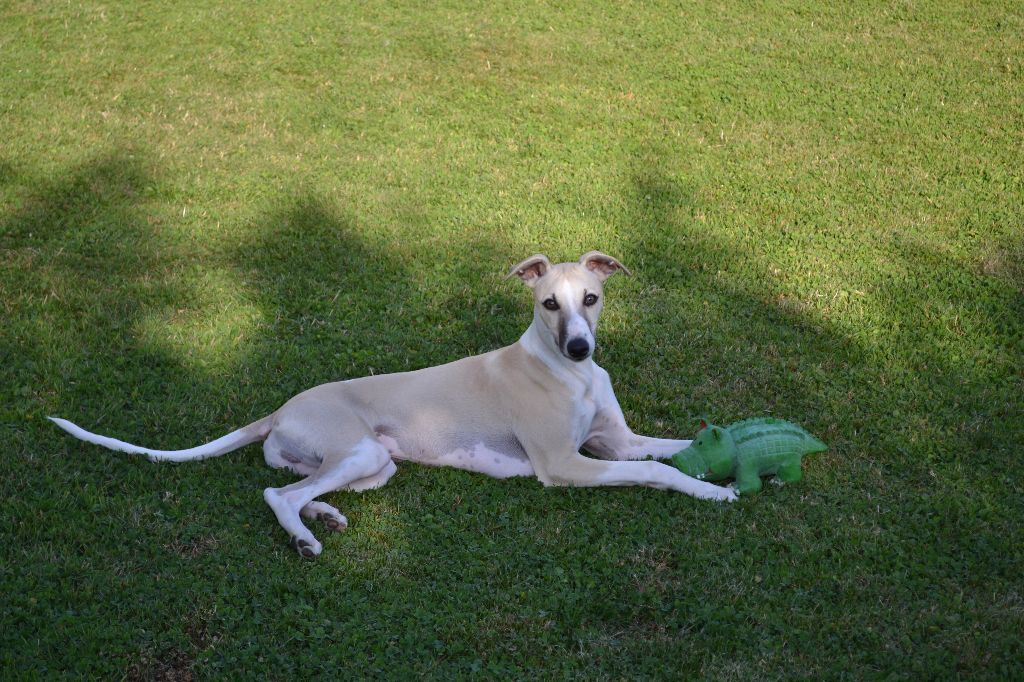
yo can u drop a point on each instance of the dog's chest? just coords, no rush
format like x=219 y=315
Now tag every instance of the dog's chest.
x=584 y=410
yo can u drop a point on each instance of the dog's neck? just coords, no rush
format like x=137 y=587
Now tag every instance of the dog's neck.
x=537 y=341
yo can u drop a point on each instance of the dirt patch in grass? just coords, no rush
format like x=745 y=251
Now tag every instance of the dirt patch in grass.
x=173 y=666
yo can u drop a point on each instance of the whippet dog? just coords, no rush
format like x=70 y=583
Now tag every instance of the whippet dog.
x=522 y=410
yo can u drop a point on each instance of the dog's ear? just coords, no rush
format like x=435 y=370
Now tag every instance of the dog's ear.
x=531 y=269
x=602 y=265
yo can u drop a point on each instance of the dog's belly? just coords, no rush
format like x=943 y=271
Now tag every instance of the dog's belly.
x=497 y=456
x=485 y=460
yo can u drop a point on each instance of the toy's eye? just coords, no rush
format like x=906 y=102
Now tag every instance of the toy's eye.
x=590 y=299
x=551 y=303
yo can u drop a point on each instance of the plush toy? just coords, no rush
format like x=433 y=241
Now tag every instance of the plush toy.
x=746 y=451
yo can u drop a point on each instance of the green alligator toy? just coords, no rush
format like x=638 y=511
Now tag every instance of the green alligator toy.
x=746 y=451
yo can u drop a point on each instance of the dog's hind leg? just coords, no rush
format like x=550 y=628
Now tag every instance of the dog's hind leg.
x=326 y=514
x=362 y=460
x=275 y=455
x=329 y=515
x=375 y=481
x=333 y=519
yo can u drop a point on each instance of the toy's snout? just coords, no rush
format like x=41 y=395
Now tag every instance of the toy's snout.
x=691 y=463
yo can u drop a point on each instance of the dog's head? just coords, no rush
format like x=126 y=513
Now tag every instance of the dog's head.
x=567 y=299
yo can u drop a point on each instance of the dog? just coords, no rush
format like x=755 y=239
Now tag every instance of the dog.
x=523 y=410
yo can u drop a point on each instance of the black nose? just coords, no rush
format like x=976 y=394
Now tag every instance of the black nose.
x=578 y=348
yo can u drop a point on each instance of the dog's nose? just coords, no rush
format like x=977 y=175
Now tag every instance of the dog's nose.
x=578 y=348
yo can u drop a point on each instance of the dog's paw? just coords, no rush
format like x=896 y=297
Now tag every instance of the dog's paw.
x=334 y=522
x=305 y=548
x=728 y=494
x=332 y=519
x=708 y=491
x=720 y=493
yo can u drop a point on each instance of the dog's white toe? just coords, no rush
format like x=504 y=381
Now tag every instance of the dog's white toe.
x=305 y=548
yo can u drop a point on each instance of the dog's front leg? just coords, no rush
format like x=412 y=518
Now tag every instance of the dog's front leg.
x=555 y=463
x=611 y=438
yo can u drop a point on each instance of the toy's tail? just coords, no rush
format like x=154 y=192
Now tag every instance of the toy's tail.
x=256 y=431
x=814 y=445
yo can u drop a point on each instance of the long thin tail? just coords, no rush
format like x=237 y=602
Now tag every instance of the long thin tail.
x=256 y=431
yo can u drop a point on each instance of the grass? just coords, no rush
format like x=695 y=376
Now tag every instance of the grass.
x=206 y=208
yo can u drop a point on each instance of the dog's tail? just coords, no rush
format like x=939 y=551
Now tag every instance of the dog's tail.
x=256 y=431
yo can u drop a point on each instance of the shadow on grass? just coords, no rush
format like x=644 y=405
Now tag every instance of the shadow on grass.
x=91 y=269
x=339 y=306
x=920 y=480
x=330 y=301
x=445 y=557
x=73 y=250
x=750 y=348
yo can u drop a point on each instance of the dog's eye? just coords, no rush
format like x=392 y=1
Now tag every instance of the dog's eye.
x=590 y=299
x=551 y=304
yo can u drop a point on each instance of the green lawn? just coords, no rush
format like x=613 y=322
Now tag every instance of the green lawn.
x=205 y=208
